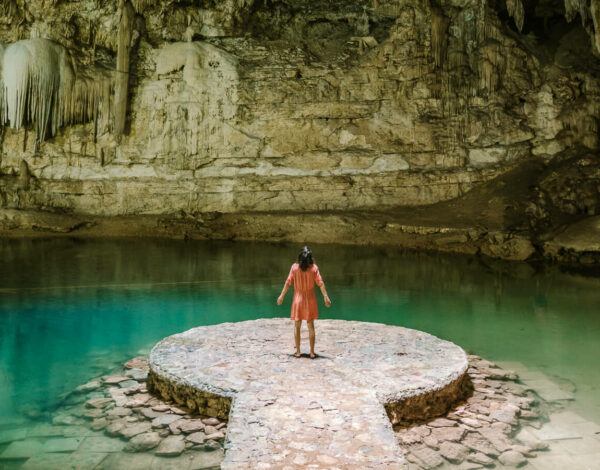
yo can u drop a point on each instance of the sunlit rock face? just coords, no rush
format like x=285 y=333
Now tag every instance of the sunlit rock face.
x=303 y=106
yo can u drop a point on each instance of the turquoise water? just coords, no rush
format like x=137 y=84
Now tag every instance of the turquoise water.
x=72 y=309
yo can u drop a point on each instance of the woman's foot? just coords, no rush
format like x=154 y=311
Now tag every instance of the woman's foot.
x=312 y=355
x=297 y=354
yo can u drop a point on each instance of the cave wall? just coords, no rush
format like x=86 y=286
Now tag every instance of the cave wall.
x=300 y=106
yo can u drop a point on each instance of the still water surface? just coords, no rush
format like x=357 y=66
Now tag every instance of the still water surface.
x=72 y=309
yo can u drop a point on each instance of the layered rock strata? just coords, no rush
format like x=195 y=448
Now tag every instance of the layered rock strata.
x=391 y=108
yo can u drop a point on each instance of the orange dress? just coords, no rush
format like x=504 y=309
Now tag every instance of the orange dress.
x=304 y=304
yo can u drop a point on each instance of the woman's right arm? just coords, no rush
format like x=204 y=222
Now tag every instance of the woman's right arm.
x=286 y=286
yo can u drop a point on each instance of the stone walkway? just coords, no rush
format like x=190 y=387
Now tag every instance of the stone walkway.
x=329 y=412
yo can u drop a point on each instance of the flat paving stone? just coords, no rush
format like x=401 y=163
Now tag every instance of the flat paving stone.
x=101 y=444
x=203 y=460
x=552 y=431
x=45 y=430
x=22 y=449
x=124 y=461
x=333 y=404
x=66 y=444
x=55 y=461
x=583 y=446
x=10 y=435
x=548 y=390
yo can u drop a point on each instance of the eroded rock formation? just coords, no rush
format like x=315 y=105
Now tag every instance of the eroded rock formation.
x=242 y=119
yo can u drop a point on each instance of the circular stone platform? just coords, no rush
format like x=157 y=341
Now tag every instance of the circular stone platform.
x=333 y=411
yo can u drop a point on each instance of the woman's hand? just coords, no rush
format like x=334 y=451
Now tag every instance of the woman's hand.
x=327 y=301
x=280 y=300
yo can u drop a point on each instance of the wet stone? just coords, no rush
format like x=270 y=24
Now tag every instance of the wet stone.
x=136 y=363
x=114 y=429
x=211 y=445
x=149 y=413
x=137 y=400
x=191 y=425
x=211 y=421
x=66 y=444
x=45 y=430
x=210 y=430
x=171 y=446
x=142 y=442
x=453 y=452
x=115 y=379
x=60 y=461
x=448 y=434
x=98 y=402
x=512 y=458
x=427 y=457
x=480 y=458
x=441 y=423
x=119 y=411
x=22 y=449
x=134 y=429
x=161 y=408
x=101 y=444
x=525 y=450
x=129 y=461
x=196 y=438
x=89 y=386
x=129 y=384
x=99 y=424
x=66 y=419
x=431 y=442
x=94 y=413
x=11 y=435
x=205 y=460
x=496 y=438
x=164 y=420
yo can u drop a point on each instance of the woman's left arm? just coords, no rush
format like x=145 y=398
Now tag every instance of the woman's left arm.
x=325 y=296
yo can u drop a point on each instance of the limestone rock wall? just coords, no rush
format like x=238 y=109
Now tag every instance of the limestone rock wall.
x=242 y=106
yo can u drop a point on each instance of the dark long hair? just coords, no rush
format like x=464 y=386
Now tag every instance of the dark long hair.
x=305 y=258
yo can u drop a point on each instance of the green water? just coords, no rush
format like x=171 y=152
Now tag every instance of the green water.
x=72 y=309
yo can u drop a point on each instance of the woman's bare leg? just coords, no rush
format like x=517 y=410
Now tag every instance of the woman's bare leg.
x=297 y=325
x=311 y=337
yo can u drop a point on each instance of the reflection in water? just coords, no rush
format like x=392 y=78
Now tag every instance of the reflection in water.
x=71 y=308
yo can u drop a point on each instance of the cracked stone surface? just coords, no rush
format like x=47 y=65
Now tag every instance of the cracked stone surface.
x=328 y=412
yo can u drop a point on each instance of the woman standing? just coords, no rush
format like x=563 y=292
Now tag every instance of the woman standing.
x=304 y=274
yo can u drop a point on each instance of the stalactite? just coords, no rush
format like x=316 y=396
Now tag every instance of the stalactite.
x=141 y=5
x=33 y=71
x=595 y=14
x=439 y=33
x=38 y=85
x=24 y=175
x=517 y=12
x=573 y=7
x=122 y=78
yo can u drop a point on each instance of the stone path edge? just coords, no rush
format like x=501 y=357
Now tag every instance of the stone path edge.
x=430 y=404
x=414 y=405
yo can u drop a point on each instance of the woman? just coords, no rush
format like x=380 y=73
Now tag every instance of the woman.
x=304 y=274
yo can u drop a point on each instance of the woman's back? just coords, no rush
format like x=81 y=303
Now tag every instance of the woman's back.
x=304 y=280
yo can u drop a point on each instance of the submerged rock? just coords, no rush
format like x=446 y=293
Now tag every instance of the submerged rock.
x=142 y=442
x=171 y=446
x=512 y=458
